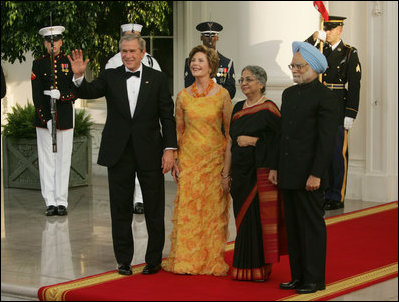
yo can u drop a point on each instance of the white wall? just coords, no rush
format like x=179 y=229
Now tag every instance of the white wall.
x=18 y=84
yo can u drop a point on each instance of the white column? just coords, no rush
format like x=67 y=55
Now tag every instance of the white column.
x=380 y=181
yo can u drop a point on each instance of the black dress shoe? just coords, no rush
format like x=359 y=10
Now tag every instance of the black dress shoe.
x=62 y=211
x=151 y=269
x=309 y=288
x=138 y=208
x=125 y=269
x=294 y=284
x=333 y=205
x=51 y=211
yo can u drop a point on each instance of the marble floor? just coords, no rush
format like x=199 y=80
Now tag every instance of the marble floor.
x=37 y=250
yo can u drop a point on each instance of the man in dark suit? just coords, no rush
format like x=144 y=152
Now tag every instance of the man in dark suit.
x=138 y=100
x=308 y=126
x=343 y=78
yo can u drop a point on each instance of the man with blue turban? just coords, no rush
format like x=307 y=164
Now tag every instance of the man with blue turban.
x=308 y=126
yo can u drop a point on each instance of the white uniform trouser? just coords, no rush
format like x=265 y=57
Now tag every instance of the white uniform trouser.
x=138 y=196
x=54 y=167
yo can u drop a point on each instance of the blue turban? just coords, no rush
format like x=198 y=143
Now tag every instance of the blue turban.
x=311 y=54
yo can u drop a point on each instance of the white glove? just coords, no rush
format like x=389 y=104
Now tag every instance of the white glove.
x=322 y=35
x=348 y=122
x=54 y=93
x=50 y=125
x=214 y=79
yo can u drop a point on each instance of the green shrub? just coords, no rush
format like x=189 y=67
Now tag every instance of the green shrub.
x=20 y=122
x=83 y=123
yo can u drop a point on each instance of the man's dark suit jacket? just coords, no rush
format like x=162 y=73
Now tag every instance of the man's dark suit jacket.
x=154 y=106
x=309 y=121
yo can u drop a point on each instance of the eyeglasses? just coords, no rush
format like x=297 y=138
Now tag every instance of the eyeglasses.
x=296 y=66
x=247 y=79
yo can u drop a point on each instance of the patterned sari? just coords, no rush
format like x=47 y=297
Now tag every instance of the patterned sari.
x=257 y=206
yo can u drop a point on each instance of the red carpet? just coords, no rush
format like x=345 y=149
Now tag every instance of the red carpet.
x=362 y=249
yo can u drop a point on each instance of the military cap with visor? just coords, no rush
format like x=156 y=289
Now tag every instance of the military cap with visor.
x=54 y=31
x=209 y=28
x=333 y=21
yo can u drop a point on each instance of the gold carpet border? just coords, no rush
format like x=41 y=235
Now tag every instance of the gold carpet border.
x=362 y=213
x=348 y=283
x=58 y=292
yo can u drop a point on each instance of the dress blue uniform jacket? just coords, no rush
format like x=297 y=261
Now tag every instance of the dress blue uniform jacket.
x=343 y=68
x=41 y=80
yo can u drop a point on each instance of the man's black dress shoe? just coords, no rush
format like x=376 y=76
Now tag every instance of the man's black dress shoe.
x=309 y=288
x=151 y=269
x=333 y=205
x=138 y=208
x=125 y=269
x=51 y=211
x=294 y=284
x=62 y=211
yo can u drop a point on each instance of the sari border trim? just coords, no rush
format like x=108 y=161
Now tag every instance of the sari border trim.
x=252 y=274
x=267 y=105
x=245 y=206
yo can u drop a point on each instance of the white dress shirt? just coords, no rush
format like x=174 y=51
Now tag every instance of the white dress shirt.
x=133 y=88
x=333 y=47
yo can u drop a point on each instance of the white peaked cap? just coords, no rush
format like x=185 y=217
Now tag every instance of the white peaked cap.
x=52 y=30
x=131 y=27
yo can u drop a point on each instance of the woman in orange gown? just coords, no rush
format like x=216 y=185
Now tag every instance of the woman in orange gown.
x=201 y=208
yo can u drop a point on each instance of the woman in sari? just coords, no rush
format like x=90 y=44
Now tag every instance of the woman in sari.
x=254 y=132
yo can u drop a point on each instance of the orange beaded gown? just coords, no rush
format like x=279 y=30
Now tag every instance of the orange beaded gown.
x=201 y=208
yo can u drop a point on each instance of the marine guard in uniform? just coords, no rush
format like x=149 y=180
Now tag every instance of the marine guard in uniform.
x=149 y=61
x=225 y=74
x=53 y=80
x=343 y=78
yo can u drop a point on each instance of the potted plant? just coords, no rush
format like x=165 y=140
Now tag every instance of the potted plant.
x=20 y=161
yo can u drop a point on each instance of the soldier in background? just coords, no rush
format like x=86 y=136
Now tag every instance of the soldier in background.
x=343 y=78
x=54 y=167
x=225 y=73
x=149 y=61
